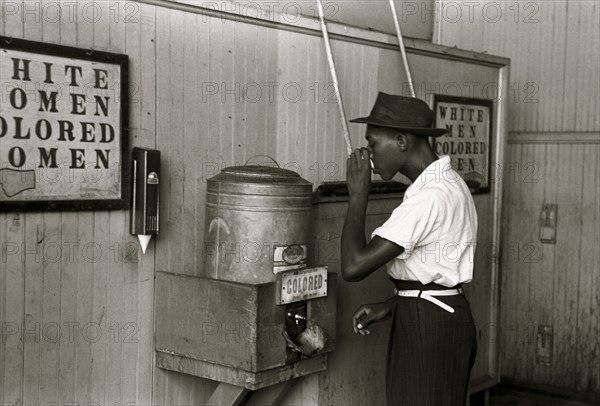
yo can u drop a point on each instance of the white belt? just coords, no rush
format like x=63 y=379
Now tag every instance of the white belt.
x=429 y=295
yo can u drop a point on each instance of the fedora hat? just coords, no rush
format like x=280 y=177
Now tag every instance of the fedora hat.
x=404 y=113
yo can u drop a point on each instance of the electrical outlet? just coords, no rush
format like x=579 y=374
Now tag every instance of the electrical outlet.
x=545 y=344
x=548 y=223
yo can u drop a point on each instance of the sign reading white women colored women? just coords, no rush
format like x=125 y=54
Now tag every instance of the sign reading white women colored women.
x=467 y=141
x=61 y=124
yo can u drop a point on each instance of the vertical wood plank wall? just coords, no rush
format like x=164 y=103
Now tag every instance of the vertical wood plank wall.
x=553 y=157
x=76 y=295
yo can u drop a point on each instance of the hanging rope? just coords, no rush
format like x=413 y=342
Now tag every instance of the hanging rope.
x=402 y=50
x=333 y=72
x=334 y=77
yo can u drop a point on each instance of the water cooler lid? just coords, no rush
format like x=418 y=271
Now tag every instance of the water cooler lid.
x=259 y=174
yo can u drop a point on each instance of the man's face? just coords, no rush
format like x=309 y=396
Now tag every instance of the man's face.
x=385 y=152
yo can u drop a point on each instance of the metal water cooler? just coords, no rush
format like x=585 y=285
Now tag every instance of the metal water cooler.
x=263 y=313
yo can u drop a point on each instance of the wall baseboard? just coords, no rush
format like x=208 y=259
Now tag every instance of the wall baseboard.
x=593 y=398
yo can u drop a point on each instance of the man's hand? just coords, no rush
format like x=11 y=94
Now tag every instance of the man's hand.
x=358 y=173
x=370 y=313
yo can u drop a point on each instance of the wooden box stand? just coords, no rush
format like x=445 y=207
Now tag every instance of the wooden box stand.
x=232 y=332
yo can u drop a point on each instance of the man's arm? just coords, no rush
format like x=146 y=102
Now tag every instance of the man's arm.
x=360 y=259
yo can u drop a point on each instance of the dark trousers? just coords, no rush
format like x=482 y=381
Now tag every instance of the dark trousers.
x=431 y=351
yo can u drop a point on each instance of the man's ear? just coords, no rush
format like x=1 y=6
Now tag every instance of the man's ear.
x=402 y=141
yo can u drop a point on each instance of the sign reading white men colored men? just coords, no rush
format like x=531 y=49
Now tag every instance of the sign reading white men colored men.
x=467 y=141
x=61 y=126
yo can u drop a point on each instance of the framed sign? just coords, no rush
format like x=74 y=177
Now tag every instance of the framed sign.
x=63 y=121
x=468 y=141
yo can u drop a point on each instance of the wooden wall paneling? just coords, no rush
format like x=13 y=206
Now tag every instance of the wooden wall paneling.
x=98 y=252
x=527 y=251
x=314 y=102
x=13 y=24
x=571 y=55
x=543 y=269
x=131 y=330
x=562 y=265
x=34 y=229
x=14 y=288
x=99 y=13
x=14 y=307
x=538 y=283
x=201 y=135
x=113 y=373
x=594 y=345
x=573 y=294
x=190 y=145
x=391 y=77
x=537 y=86
x=249 y=95
x=303 y=391
x=347 y=90
x=320 y=77
x=528 y=110
x=588 y=267
x=287 y=119
x=567 y=265
x=4 y=19
x=85 y=275
x=547 y=89
x=147 y=85
x=118 y=249
x=72 y=255
x=300 y=94
x=536 y=73
x=50 y=20
x=521 y=253
x=50 y=258
x=309 y=105
x=173 y=141
x=227 y=80
x=241 y=44
x=351 y=96
x=83 y=303
x=517 y=62
x=332 y=121
x=272 y=74
x=118 y=20
x=143 y=22
x=128 y=16
x=163 y=132
x=587 y=96
x=584 y=18
x=214 y=101
x=510 y=332
x=558 y=72
x=256 y=92
x=247 y=136
x=212 y=161
x=594 y=61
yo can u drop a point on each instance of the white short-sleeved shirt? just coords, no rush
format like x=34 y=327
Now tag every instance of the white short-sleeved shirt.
x=436 y=224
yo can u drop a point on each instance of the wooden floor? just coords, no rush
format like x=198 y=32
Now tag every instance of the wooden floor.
x=507 y=397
